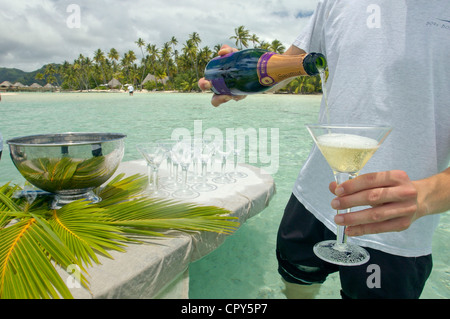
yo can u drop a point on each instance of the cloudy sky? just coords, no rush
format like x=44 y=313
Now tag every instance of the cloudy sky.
x=37 y=32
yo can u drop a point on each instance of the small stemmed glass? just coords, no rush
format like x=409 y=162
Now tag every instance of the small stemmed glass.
x=205 y=154
x=346 y=148
x=195 y=175
x=154 y=154
x=183 y=152
x=237 y=148
x=224 y=152
x=171 y=181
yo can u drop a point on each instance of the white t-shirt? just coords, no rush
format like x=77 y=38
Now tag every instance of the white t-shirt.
x=388 y=64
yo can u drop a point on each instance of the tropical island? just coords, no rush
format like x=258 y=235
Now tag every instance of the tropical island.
x=152 y=69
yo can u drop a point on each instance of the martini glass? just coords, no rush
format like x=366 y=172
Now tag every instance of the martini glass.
x=205 y=154
x=154 y=154
x=170 y=182
x=183 y=153
x=346 y=148
x=238 y=147
x=224 y=153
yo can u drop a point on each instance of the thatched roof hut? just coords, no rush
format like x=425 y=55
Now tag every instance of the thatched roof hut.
x=151 y=77
x=114 y=83
x=5 y=84
x=35 y=86
x=18 y=85
x=148 y=78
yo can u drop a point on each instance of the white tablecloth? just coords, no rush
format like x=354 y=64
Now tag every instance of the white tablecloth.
x=159 y=269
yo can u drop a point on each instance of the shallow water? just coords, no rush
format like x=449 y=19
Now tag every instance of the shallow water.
x=245 y=265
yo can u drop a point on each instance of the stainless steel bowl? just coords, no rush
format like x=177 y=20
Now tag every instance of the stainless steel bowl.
x=69 y=165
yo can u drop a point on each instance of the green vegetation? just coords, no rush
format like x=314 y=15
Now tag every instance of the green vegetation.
x=169 y=68
x=36 y=240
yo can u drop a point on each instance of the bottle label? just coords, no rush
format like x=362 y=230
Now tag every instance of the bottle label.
x=264 y=77
x=219 y=86
x=273 y=68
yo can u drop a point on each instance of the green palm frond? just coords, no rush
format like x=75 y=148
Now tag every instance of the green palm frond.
x=34 y=239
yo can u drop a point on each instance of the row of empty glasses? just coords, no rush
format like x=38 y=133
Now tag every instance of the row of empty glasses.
x=190 y=165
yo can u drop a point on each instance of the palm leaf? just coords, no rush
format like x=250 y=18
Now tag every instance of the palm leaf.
x=25 y=248
x=78 y=232
x=83 y=229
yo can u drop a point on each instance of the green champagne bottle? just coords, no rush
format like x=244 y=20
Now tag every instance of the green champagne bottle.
x=255 y=70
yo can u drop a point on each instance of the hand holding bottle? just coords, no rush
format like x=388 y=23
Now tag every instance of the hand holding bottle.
x=206 y=85
x=235 y=74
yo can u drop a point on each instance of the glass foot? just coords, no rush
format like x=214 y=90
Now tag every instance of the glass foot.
x=185 y=194
x=63 y=199
x=341 y=254
x=224 y=180
x=237 y=174
x=204 y=187
x=157 y=193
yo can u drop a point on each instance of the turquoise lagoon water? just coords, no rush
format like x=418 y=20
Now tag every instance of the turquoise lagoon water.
x=245 y=265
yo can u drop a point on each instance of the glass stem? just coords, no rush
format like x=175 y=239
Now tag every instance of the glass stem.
x=341 y=238
x=149 y=174
x=184 y=176
x=155 y=179
x=224 y=162
x=204 y=172
x=170 y=167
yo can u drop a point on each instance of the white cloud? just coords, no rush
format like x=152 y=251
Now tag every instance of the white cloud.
x=33 y=33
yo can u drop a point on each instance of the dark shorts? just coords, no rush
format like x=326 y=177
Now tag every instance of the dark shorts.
x=383 y=276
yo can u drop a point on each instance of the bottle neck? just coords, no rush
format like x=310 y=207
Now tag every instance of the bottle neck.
x=274 y=68
x=313 y=63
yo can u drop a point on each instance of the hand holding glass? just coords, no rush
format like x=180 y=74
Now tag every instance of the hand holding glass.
x=346 y=149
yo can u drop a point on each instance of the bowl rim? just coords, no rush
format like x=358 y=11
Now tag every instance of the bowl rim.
x=21 y=140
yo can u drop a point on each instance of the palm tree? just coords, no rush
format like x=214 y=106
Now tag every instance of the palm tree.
x=264 y=45
x=180 y=68
x=99 y=58
x=242 y=36
x=195 y=38
x=113 y=56
x=140 y=43
x=127 y=64
x=204 y=57
x=217 y=49
x=277 y=46
x=173 y=42
x=190 y=50
x=165 y=56
x=50 y=72
x=153 y=56
x=254 y=40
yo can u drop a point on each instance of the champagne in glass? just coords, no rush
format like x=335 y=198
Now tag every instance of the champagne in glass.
x=347 y=149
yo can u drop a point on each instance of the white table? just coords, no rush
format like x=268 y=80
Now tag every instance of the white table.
x=159 y=269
